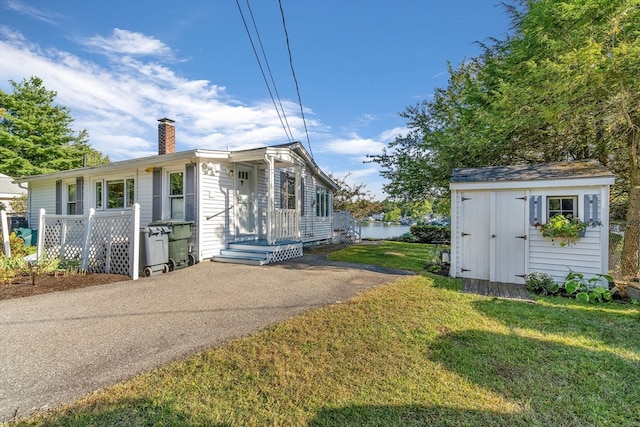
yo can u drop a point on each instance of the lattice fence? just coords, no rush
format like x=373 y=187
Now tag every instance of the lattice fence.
x=105 y=242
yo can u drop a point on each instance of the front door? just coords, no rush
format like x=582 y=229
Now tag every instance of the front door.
x=508 y=238
x=475 y=235
x=245 y=201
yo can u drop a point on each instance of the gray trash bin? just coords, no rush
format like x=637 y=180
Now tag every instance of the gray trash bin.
x=154 y=250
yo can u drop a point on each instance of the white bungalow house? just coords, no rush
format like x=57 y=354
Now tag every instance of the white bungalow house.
x=495 y=212
x=272 y=199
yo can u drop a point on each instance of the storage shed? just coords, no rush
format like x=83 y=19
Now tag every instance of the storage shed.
x=496 y=213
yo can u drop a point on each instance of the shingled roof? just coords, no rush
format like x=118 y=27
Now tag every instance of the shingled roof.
x=532 y=172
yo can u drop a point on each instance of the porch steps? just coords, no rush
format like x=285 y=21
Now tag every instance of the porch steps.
x=258 y=252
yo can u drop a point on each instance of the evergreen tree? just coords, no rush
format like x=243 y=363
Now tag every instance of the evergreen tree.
x=36 y=135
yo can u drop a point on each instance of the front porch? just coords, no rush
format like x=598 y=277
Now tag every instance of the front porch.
x=259 y=252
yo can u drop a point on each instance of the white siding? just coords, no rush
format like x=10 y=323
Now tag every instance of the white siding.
x=215 y=197
x=42 y=195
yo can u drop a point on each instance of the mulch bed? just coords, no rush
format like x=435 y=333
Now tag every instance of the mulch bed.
x=22 y=286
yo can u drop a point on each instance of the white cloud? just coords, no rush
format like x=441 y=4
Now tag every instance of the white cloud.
x=126 y=42
x=126 y=97
x=354 y=145
x=20 y=7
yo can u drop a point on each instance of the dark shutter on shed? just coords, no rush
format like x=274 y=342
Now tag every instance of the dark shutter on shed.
x=59 y=197
x=535 y=210
x=190 y=193
x=79 y=195
x=156 y=204
x=591 y=208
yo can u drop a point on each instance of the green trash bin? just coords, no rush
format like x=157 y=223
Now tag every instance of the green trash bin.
x=179 y=256
x=29 y=236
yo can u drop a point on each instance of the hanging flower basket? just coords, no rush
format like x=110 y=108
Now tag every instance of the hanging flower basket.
x=566 y=230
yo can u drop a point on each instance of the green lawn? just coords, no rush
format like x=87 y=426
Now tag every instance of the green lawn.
x=414 y=352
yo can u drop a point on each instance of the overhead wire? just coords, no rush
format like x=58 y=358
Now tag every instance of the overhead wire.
x=287 y=129
x=295 y=79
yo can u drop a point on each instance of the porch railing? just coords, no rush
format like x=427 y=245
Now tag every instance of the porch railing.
x=287 y=224
x=343 y=221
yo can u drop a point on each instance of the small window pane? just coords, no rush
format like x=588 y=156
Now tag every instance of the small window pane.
x=99 y=195
x=130 y=192
x=176 y=184
x=71 y=199
x=115 y=194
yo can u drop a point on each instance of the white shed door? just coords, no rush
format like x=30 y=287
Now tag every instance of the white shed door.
x=508 y=237
x=475 y=234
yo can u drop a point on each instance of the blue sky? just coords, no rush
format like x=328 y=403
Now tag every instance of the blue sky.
x=121 y=65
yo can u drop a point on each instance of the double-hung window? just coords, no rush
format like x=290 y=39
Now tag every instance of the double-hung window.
x=291 y=192
x=72 y=199
x=322 y=203
x=176 y=195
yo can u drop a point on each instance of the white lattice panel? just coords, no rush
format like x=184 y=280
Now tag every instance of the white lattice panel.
x=285 y=252
x=107 y=240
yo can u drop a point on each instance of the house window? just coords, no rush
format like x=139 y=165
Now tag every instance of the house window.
x=115 y=193
x=291 y=192
x=72 y=199
x=322 y=203
x=176 y=195
x=566 y=206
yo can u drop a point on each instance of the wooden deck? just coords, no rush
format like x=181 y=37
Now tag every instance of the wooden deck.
x=496 y=289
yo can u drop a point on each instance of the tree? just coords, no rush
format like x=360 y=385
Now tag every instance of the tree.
x=36 y=135
x=564 y=86
x=355 y=199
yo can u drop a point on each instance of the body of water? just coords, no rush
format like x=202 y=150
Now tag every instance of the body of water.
x=380 y=230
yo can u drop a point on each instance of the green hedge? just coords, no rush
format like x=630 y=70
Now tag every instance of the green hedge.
x=431 y=233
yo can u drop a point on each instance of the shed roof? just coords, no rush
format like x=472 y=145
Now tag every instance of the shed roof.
x=532 y=172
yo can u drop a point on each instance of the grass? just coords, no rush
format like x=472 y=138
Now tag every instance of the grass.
x=414 y=352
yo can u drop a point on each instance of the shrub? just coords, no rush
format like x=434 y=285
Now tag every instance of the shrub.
x=431 y=233
x=541 y=283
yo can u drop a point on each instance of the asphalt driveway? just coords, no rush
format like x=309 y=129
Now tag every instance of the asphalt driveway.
x=57 y=347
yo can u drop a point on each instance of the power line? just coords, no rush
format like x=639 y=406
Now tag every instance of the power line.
x=284 y=25
x=286 y=128
x=264 y=55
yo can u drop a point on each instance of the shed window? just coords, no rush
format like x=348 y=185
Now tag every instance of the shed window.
x=566 y=206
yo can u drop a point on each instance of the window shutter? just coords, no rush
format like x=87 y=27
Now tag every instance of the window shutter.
x=79 y=195
x=156 y=206
x=535 y=210
x=190 y=193
x=302 y=196
x=59 y=197
x=284 y=190
x=591 y=208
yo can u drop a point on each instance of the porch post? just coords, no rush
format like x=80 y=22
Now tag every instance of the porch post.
x=298 y=216
x=270 y=198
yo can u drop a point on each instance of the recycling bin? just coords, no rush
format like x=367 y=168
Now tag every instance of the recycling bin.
x=179 y=256
x=154 y=250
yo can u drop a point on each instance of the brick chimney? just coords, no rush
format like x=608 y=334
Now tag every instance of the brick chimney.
x=166 y=136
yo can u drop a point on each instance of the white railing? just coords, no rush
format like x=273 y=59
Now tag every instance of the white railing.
x=343 y=221
x=287 y=224
x=4 y=227
x=105 y=242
